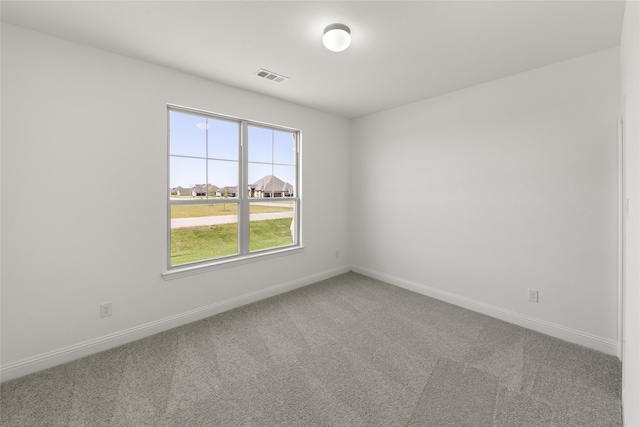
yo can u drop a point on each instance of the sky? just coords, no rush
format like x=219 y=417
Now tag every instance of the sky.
x=202 y=147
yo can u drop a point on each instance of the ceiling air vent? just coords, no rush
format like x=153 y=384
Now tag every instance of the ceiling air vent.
x=271 y=76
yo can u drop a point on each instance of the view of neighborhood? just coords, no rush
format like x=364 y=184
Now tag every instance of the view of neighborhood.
x=268 y=186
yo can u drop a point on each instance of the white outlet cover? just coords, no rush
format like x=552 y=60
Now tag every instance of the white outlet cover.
x=106 y=309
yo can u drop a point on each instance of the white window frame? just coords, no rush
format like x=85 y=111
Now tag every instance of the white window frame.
x=244 y=254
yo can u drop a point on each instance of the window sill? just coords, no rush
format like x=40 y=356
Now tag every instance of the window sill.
x=190 y=270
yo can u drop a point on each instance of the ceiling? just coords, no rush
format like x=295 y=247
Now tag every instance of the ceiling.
x=401 y=51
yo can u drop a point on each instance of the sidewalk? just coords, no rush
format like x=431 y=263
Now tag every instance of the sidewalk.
x=224 y=219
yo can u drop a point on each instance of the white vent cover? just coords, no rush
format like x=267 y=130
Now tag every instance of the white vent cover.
x=271 y=76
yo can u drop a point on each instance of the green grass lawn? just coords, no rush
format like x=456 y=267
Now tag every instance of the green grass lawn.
x=190 y=211
x=269 y=233
x=215 y=241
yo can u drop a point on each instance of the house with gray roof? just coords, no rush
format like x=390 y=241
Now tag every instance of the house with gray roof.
x=270 y=186
x=181 y=191
x=212 y=189
x=228 y=191
x=199 y=190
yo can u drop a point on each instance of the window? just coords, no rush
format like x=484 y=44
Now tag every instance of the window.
x=233 y=188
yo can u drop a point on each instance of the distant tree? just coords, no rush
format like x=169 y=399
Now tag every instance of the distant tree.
x=226 y=196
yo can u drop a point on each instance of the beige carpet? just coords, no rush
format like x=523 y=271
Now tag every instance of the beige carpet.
x=348 y=351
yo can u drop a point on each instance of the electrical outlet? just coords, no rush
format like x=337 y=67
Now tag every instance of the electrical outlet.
x=337 y=254
x=533 y=295
x=106 y=309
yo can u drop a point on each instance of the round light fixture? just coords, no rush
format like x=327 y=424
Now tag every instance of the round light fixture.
x=337 y=37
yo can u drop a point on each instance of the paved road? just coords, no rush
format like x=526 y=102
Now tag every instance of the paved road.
x=225 y=219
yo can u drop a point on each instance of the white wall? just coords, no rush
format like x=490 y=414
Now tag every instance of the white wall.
x=84 y=181
x=478 y=195
x=630 y=67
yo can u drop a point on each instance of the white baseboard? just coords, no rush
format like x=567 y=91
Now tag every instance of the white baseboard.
x=548 y=328
x=86 y=348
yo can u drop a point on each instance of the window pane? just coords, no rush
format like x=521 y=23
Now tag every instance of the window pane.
x=271 y=225
x=223 y=176
x=260 y=145
x=187 y=175
x=223 y=139
x=201 y=232
x=284 y=148
x=188 y=136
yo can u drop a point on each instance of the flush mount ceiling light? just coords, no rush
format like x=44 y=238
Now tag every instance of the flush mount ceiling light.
x=337 y=37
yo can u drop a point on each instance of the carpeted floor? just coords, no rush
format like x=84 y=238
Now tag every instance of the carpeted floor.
x=348 y=351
